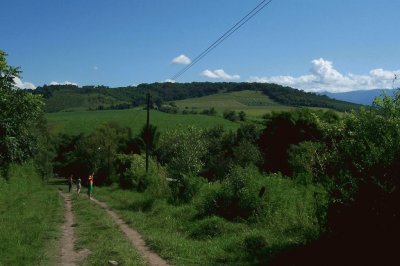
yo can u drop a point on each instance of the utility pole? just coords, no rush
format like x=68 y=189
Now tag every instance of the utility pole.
x=148 y=132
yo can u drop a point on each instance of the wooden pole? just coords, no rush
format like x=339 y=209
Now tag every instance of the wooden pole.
x=148 y=132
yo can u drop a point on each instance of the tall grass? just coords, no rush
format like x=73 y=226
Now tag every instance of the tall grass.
x=30 y=217
x=178 y=234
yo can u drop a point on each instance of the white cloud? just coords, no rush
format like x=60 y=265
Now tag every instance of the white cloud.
x=63 y=83
x=324 y=77
x=218 y=74
x=95 y=68
x=181 y=60
x=23 y=85
x=170 y=80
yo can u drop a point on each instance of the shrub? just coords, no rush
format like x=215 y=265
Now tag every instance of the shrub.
x=185 y=188
x=154 y=181
x=305 y=161
x=231 y=115
x=236 y=197
x=182 y=152
x=208 y=228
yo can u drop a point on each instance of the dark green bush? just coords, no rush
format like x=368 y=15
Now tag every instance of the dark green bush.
x=185 y=188
x=256 y=249
x=237 y=197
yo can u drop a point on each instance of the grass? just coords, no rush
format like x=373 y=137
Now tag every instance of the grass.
x=96 y=231
x=30 y=219
x=178 y=235
x=86 y=121
x=75 y=101
x=254 y=103
x=231 y=100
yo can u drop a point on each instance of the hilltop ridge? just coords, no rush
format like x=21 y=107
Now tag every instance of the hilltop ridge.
x=74 y=98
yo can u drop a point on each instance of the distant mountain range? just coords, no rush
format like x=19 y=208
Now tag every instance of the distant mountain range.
x=364 y=97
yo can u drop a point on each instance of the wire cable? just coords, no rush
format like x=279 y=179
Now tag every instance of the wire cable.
x=222 y=38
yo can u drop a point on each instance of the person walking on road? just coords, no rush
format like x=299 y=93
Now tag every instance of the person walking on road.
x=70 y=182
x=90 y=188
x=78 y=185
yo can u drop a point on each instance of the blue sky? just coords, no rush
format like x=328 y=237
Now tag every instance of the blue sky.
x=336 y=45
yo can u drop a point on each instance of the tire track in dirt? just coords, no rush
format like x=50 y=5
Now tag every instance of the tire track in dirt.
x=134 y=237
x=68 y=256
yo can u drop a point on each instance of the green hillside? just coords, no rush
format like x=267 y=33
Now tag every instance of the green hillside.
x=73 y=98
x=253 y=103
x=86 y=121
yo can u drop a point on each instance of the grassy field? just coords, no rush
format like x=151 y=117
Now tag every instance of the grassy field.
x=74 y=101
x=231 y=100
x=86 y=121
x=254 y=103
x=31 y=214
x=178 y=235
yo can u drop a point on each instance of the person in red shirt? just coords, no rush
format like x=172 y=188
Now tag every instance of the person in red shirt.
x=90 y=188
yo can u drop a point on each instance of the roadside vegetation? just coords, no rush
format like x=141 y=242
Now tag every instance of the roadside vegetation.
x=30 y=218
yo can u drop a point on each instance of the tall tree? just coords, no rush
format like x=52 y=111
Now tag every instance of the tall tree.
x=20 y=113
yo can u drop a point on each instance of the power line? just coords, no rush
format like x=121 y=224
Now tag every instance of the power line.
x=228 y=33
x=209 y=48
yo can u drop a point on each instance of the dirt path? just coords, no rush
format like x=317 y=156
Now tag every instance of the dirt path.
x=68 y=255
x=134 y=237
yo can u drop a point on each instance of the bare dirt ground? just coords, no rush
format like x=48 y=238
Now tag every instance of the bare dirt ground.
x=68 y=256
x=134 y=237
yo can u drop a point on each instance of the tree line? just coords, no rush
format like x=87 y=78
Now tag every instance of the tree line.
x=132 y=96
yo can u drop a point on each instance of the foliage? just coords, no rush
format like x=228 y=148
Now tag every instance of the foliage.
x=182 y=151
x=210 y=111
x=363 y=170
x=231 y=115
x=305 y=161
x=20 y=113
x=285 y=129
x=294 y=97
x=150 y=136
x=81 y=155
x=236 y=197
x=154 y=182
x=247 y=153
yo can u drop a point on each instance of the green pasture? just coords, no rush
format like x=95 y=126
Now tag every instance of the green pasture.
x=86 y=121
x=231 y=100
x=254 y=103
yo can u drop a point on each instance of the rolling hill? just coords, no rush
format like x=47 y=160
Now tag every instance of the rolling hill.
x=73 y=98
